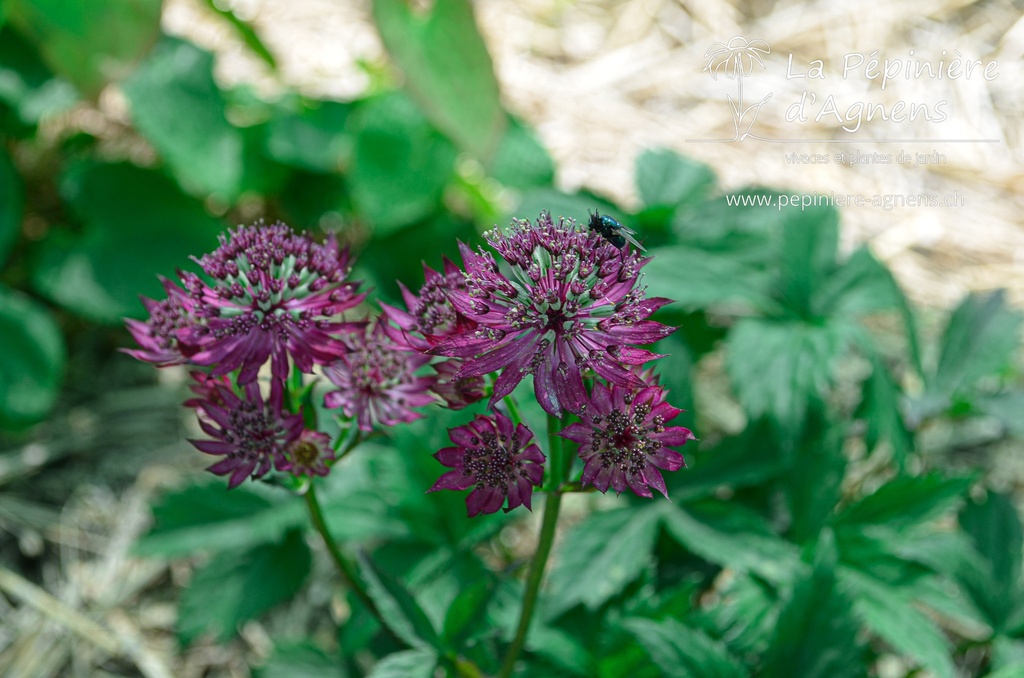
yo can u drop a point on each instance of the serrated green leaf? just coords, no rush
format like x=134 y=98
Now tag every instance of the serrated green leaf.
x=400 y=163
x=447 y=69
x=750 y=458
x=11 y=199
x=408 y=664
x=27 y=86
x=1007 y=408
x=300 y=660
x=881 y=409
x=906 y=501
x=130 y=236
x=467 y=611
x=32 y=358
x=698 y=279
x=89 y=44
x=212 y=518
x=238 y=586
x=312 y=138
x=816 y=633
x=683 y=652
x=811 y=239
x=398 y=608
x=746 y=616
x=177 y=106
x=521 y=161
x=994 y=578
x=666 y=179
x=600 y=556
x=980 y=340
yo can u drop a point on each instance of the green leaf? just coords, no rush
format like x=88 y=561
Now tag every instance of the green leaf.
x=176 y=105
x=816 y=633
x=238 y=586
x=467 y=612
x=90 y=44
x=521 y=161
x=880 y=408
x=906 y=501
x=893 y=617
x=994 y=580
x=698 y=279
x=398 y=608
x=27 y=86
x=980 y=340
x=137 y=224
x=245 y=32
x=809 y=256
x=781 y=368
x=32 y=358
x=300 y=660
x=683 y=652
x=666 y=179
x=750 y=458
x=312 y=138
x=731 y=536
x=408 y=664
x=814 y=481
x=447 y=70
x=601 y=555
x=400 y=165
x=1007 y=408
x=11 y=201
x=751 y=235
x=212 y=518
x=746 y=614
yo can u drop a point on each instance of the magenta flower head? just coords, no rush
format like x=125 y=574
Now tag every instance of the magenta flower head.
x=430 y=316
x=251 y=434
x=274 y=294
x=309 y=455
x=457 y=392
x=571 y=303
x=157 y=337
x=499 y=459
x=624 y=439
x=377 y=381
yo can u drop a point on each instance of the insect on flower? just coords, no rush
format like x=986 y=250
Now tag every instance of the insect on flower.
x=613 y=231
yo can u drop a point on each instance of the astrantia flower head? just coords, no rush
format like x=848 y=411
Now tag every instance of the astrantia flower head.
x=158 y=336
x=274 y=294
x=377 y=381
x=251 y=434
x=495 y=456
x=430 y=316
x=309 y=455
x=624 y=439
x=457 y=392
x=571 y=303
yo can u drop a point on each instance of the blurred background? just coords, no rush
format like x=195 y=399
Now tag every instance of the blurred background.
x=132 y=132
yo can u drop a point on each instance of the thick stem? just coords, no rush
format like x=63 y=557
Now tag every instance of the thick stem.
x=540 y=558
x=345 y=568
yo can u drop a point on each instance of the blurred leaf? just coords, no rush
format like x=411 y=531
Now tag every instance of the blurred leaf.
x=746 y=615
x=813 y=484
x=398 y=608
x=312 y=138
x=1007 y=408
x=880 y=408
x=300 y=660
x=26 y=84
x=816 y=634
x=994 y=579
x=211 y=518
x=11 y=199
x=176 y=105
x=780 y=368
x=467 y=612
x=90 y=44
x=751 y=235
x=138 y=224
x=906 y=501
x=245 y=32
x=811 y=239
x=980 y=340
x=237 y=586
x=666 y=179
x=747 y=459
x=682 y=652
x=447 y=70
x=400 y=165
x=32 y=358
x=1009 y=671
x=601 y=555
x=894 y=618
x=521 y=161
x=408 y=664
x=561 y=649
x=314 y=201
x=700 y=279
x=731 y=536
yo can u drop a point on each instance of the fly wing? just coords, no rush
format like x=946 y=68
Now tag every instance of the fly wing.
x=628 y=234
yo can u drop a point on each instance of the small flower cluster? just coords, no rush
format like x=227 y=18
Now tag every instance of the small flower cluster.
x=563 y=304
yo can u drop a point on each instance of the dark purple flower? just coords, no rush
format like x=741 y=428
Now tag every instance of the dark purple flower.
x=430 y=316
x=251 y=434
x=309 y=455
x=570 y=304
x=377 y=381
x=457 y=392
x=274 y=294
x=157 y=337
x=499 y=460
x=624 y=439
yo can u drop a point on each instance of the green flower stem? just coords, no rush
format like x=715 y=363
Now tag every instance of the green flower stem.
x=540 y=558
x=345 y=568
x=513 y=410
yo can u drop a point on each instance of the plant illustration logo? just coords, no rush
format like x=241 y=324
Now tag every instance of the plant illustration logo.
x=736 y=61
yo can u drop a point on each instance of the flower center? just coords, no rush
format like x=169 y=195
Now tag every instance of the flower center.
x=623 y=441
x=492 y=464
x=253 y=430
x=305 y=453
